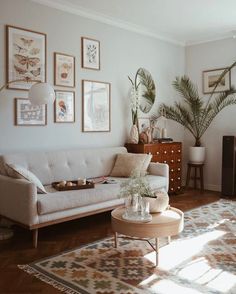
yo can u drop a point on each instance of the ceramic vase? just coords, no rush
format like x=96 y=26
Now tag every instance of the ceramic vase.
x=160 y=203
x=134 y=136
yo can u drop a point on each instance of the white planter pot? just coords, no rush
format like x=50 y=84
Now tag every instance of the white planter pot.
x=197 y=154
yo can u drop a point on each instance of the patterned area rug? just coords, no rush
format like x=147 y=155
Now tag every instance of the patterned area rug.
x=202 y=259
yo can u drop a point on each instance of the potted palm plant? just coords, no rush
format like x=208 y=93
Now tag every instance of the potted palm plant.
x=196 y=114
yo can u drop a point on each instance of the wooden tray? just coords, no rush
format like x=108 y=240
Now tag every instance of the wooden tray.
x=88 y=185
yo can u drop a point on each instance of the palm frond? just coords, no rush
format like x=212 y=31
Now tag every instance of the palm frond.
x=179 y=114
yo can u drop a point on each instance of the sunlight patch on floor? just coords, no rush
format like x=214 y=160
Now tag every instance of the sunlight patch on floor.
x=180 y=250
x=198 y=271
x=202 y=273
x=167 y=287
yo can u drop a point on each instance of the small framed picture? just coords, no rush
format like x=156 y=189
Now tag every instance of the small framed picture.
x=27 y=114
x=90 y=53
x=143 y=124
x=96 y=106
x=26 y=57
x=64 y=107
x=64 y=70
x=210 y=78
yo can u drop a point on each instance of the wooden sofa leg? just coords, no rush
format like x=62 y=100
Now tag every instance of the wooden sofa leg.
x=35 y=238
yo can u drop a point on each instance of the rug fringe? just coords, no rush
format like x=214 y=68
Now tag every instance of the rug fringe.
x=28 y=269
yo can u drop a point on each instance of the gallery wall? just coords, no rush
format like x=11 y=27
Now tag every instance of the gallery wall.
x=201 y=57
x=122 y=53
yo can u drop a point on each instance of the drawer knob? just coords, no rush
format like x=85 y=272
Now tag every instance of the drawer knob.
x=178 y=187
x=172 y=169
x=172 y=160
x=158 y=152
x=179 y=160
x=178 y=178
x=165 y=151
x=172 y=180
x=179 y=150
x=164 y=161
x=172 y=189
x=179 y=168
x=172 y=151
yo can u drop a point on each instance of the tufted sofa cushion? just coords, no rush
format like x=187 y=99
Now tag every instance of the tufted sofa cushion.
x=56 y=201
x=52 y=166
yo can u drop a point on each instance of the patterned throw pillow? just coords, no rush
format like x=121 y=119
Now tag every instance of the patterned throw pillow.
x=127 y=163
x=19 y=172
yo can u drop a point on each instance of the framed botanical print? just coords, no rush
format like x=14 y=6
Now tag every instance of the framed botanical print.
x=211 y=77
x=26 y=57
x=64 y=70
x=143 y=124
x=96 y=106
x=27 y=114
x=64 y=107
x=90 y=53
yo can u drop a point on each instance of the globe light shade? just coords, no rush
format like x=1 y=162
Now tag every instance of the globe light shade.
x=41 y=93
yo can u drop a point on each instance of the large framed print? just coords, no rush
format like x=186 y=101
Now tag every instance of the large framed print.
x=27 y=114
x=90 y=53
x=64 y=70
x=96 y=106
x=64 y=107
x=211 y=77
x=26 y=57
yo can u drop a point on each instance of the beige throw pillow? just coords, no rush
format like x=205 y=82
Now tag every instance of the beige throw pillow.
x=19 y=172
x=127 y=163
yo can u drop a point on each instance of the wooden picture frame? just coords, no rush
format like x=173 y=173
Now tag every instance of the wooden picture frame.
x=64 y=70
x=90 y=53
x=96 y=106
x=210 y=77
x=27 y=114
x=64 y=107
x=143 y=124
x=26 y=57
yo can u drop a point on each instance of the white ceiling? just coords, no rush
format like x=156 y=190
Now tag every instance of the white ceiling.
x=179 y=21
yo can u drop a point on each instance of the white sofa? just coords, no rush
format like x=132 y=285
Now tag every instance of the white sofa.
x=20 y=202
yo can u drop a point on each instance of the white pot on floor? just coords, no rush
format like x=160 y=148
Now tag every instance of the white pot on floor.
x=197 y=154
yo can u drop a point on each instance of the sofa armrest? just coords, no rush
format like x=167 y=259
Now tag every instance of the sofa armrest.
x=18 y=200
x=159 y=169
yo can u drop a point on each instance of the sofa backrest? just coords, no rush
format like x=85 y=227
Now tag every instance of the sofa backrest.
x=52 y=166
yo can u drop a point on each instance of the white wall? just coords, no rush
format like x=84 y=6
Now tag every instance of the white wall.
x=203 y=57
x=122 y=53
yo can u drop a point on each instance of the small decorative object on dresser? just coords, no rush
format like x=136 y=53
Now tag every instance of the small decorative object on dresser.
x=170 y=153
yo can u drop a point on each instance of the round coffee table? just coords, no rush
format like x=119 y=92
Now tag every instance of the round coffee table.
x=165 y=224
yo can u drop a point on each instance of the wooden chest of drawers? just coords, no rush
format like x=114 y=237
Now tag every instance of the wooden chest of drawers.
x=170 y=153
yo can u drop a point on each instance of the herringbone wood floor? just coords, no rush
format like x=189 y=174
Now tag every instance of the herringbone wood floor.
x=57 y=238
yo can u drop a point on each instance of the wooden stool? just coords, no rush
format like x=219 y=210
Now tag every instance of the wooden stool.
x=195 y=178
